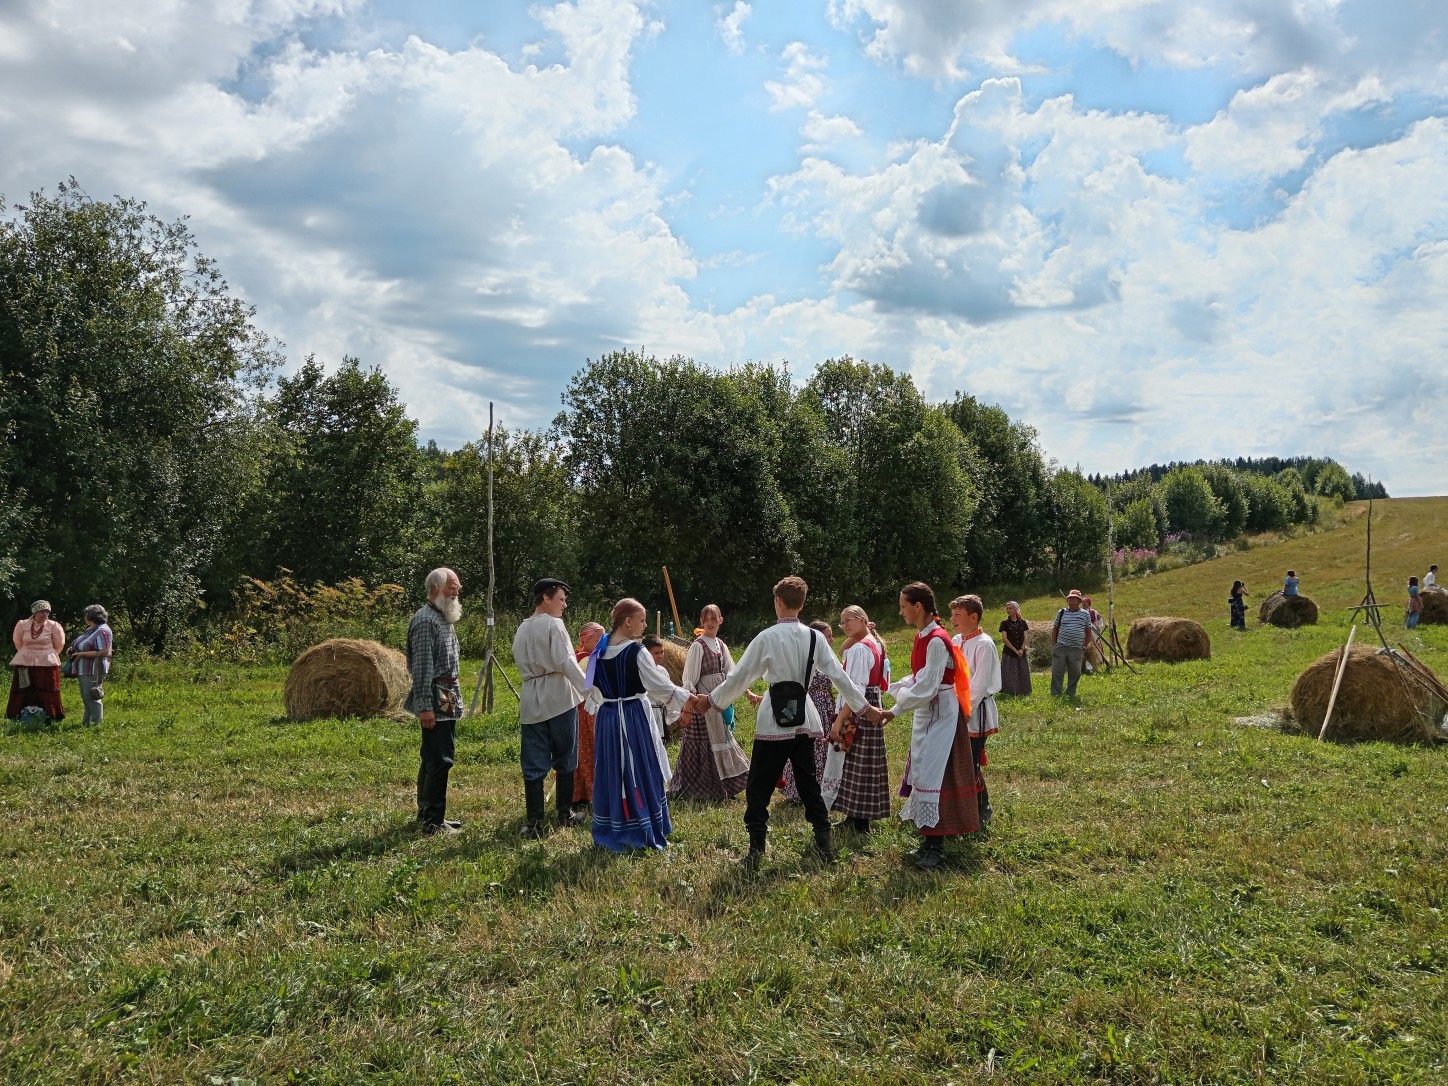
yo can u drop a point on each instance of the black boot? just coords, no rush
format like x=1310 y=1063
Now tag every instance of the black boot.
x=932 y=853
x=534 y=799
x=860 y=825
x=567 y=816
x=982 y=802
x=823 y=847
x=755 y=855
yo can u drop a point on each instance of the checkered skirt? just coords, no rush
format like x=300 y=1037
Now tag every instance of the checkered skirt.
x=865 y=781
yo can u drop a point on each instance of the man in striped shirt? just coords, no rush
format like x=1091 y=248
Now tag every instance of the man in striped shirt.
x=1068 y=636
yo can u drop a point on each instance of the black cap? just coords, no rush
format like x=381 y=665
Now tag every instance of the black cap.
x=547 y=586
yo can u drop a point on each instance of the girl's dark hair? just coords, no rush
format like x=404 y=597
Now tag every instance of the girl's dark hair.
x=824 y=628
x=1236 y=585
x=1412 y=581
x=652 y=641
x=1292 y=573
x=920 y=592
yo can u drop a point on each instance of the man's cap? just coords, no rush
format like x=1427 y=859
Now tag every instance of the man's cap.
x=549 y=585
x=1074 y=594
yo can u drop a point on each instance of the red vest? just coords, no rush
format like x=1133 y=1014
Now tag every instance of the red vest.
x=877 y=669
x=917 y=654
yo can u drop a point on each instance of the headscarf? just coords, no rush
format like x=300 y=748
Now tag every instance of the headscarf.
x=40 y=605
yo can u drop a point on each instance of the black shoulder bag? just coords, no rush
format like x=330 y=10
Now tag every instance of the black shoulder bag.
x=787 y=699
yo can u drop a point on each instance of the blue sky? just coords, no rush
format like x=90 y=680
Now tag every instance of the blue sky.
x=1153 y=231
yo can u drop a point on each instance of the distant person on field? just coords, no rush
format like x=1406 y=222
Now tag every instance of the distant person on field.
x=663 y=716
x=1430 y=581
x=1415 y=604
x=1238 y=602
x=35 y=667
x=1015 y=661
x=436 y=696
x=91 y=652
x=1289 y=583
x=553 y=685
x=1069 y=631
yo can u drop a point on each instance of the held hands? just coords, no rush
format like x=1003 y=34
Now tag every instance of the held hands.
x=875 y=715
x=754 y=699
x=698 y=703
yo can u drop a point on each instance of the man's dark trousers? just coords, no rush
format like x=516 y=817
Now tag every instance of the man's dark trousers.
x=437 y=760
x=766 y=763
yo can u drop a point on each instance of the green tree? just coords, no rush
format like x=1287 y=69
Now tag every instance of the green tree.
x=1269 y=505
x=676 y=465
x=535 y=516
x=887 y=434
x=1190 y=504
x=343 y=490
x=1335 y=483
x=1005 y=540
x=1136 y=525
x=1228 y=488
x=1075 y=517
x=129 y=385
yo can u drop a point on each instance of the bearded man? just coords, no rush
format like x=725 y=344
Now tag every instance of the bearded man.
x=436 y=697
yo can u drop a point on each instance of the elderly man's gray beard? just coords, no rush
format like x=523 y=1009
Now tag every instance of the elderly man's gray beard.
x=451 y=609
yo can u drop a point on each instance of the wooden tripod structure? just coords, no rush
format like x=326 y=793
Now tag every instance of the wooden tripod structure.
x=1369 y=608
x=485 y=685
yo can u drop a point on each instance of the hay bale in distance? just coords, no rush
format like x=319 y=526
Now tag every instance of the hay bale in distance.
x=1288 y=612
x=346 y=677
x=674 y=655
x=1268 y=602
x=1038 y=644
x=1374 y=701
x=1169 y=639
x=1435 y=608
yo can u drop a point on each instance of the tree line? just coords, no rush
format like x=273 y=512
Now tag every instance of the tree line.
x=154 y=457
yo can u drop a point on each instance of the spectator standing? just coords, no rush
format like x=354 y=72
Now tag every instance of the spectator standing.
x=1015 y=663
x=435 y=696
x=1415 y=604
x=91 y=652
x=1068 y=640
x=35 y=667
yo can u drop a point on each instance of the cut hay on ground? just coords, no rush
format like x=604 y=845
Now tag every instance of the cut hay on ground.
x=1435 y=608
x=1378 y=699
x=1169 y=639
x=1288 y=612
x=343 y=677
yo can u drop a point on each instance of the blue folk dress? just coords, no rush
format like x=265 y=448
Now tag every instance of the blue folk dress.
x=630 y=807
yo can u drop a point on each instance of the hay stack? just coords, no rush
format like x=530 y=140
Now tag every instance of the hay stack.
x=1435 y=608
x=1038 y=644
x=1373 y=702
x=343 y=677
x=1169 y=639
x=1288 y=612
x=674 y=655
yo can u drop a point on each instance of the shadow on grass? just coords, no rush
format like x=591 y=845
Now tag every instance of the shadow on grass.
x=359 y=846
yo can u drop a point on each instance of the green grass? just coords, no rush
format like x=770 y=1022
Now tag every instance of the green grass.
x=201 y=892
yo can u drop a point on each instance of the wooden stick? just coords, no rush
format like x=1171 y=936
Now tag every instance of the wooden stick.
x=1426 y=673
x=1332 y=698
x=678 y=626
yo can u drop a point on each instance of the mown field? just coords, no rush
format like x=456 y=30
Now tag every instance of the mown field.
x=201 y=892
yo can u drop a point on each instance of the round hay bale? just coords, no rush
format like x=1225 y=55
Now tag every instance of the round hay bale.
x=1435 y=608
x=1169 y=639
x=1375 y=701
x=1288 y=612
x=674 y=655
x=345 y=677
x=1038 y=644
x=1268 y=602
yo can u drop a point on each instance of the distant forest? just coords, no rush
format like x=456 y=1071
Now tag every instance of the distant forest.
x=1308 y=468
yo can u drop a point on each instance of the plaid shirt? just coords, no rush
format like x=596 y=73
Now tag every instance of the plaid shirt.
x=432 y=658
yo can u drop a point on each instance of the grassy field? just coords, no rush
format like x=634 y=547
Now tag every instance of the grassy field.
x=201 y=892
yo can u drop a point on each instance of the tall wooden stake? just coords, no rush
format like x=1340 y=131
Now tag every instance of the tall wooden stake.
x=678 y=627
x=1336 y=682
x=492 y=619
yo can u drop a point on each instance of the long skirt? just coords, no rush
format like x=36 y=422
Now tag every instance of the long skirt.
x=819 y=692
x=44 y=691
x=1015 y=674
x=583 y=776
x=696 y=775
x=959 y=805
x=857 y=783
x=630 y=809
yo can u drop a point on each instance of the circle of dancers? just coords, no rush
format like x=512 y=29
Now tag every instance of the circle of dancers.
x=597 y=717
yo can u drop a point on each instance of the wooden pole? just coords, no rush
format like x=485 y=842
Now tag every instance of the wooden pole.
x=489 y=691
x=673 y=606
x=1336 y=682
x=658 y=624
